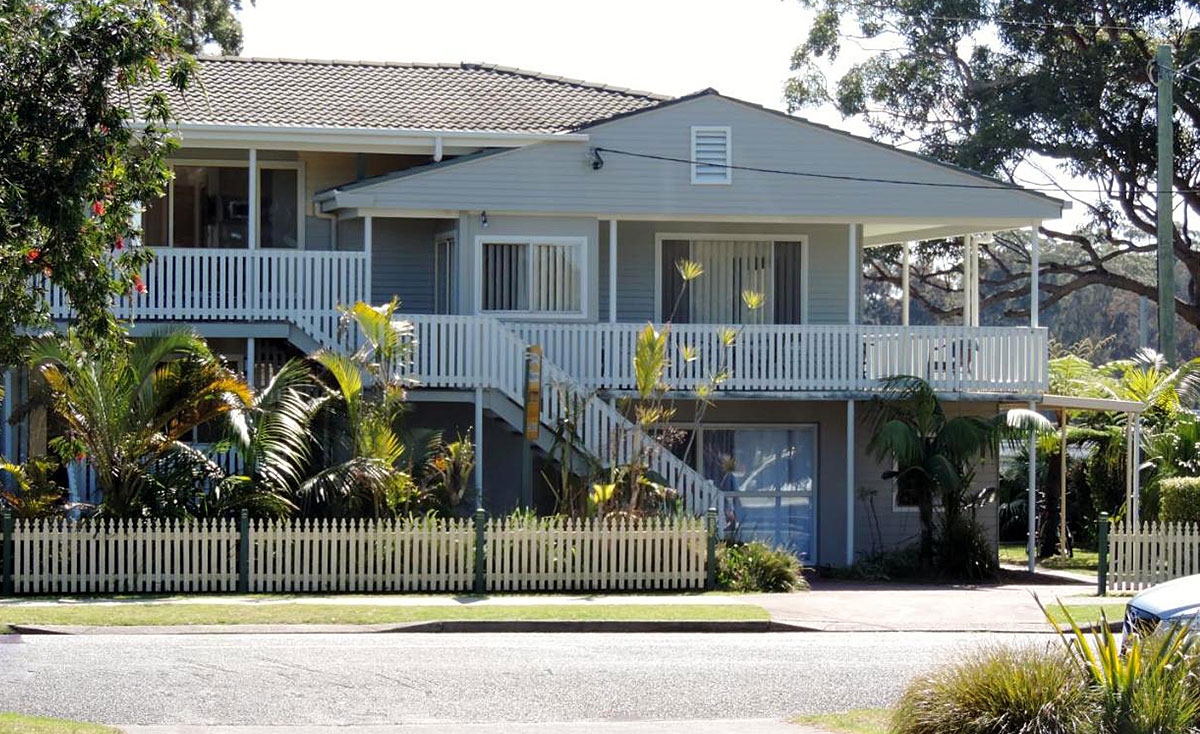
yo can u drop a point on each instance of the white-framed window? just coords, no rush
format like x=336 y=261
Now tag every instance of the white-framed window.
x=207 y=204
x=775 y=265
x=712 y=154
x=545 y=276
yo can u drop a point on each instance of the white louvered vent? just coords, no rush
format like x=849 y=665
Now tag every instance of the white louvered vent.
x=711 y=155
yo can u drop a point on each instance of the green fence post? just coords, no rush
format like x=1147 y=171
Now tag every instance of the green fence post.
x=1102 y=570
x=710 y=524
x=7 y=549
x=243 y=556
x=480 y=551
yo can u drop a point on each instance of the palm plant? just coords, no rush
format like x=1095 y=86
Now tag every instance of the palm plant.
x=935 y=455
x=367 y=397
x=130 y=409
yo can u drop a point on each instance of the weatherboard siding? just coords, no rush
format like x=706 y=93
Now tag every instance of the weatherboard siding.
x=559 y=177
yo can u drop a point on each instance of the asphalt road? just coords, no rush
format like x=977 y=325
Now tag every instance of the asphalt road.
x=415 y=678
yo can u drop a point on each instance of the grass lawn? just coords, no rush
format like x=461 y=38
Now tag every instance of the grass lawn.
x=858 y=721
x=1083 y=560
x=149 y=613
x=18 y=724
x=1085 y=614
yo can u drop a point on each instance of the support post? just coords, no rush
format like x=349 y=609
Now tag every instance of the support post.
x=368 y=243
x=477 y=474
x=243 y=555
x=7 y=547
x=480 y=551
x=9 y=448
x=905 y=284
x=612 y=271
x=1063 y=417
x=1035 y=268
x=710 y=567
x=852 y=276
x=1031 y=499
x=1102 y=541
x=968 y=279
x=1136 y=452
x=850 y=483
x=252 y=195
x=1164 y=197
x=250 y=361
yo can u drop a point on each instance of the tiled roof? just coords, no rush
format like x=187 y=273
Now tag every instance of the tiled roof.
x=478 y=97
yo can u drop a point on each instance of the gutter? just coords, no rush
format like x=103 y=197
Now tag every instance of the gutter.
x=321 y=137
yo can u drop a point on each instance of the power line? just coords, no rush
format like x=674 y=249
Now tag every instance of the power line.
x=998 y=186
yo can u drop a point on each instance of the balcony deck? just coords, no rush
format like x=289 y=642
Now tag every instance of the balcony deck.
x=780 y=360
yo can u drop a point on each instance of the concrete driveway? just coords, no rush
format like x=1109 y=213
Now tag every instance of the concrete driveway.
x=845 y=606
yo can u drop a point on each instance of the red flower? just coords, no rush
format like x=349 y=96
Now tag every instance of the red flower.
x=32 y=256
x=80 y=456
x=120 y=243
x=46 y=272
x=138 y=285
x=98 y=208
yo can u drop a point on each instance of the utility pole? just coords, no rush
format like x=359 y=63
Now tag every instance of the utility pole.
x=1165 y=74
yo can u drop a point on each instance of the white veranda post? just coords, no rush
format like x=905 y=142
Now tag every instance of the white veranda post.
x=478 y=473
x=906 y=266
x=612 y=271
x=1031 y=499
x=852 y=318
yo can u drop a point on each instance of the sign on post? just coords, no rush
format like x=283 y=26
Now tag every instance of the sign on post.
x=533 y=391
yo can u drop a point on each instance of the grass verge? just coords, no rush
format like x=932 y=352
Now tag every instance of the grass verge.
x=858 y=721
x=1082 y=560
x=1087 y=614
x=19 y=724
x=135 y=613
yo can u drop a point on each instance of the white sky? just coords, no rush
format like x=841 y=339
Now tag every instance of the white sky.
x=742 y=48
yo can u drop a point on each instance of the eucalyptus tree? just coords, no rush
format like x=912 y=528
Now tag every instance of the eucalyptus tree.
x=1055 y=94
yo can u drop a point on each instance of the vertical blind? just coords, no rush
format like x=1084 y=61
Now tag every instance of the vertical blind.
x=732 y=267
x=540 y=277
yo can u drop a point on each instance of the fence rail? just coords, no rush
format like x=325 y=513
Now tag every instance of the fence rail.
x=1146 y=554
x=364 y=555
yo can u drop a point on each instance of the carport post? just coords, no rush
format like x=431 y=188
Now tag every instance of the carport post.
x=1031 y=501
x=1102 y=542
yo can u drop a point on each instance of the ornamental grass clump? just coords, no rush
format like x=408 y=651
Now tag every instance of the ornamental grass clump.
x=1150 y=684
x=756 y=566
x=1000 y=690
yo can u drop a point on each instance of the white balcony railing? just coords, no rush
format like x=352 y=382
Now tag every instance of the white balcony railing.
x=300 y=287
x=776 y=358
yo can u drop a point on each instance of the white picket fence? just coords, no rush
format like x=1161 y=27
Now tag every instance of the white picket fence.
x=1140 y=556
x=119 y=556
x=564 y=554
x=359 y=555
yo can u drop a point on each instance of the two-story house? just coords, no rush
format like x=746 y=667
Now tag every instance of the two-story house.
x=506 y=208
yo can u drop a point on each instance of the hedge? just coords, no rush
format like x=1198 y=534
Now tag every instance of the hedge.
x=1179 y=499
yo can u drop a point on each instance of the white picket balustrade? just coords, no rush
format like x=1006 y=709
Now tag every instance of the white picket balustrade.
x=362 y=555
x=212 y=284
x=1140 y=556
x=565 y=554
x=55 y=556
x=781 y=358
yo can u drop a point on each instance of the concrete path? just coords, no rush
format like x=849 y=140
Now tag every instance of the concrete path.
x=842 y=606
x=707 y=726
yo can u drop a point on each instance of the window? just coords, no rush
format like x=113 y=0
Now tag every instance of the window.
x=768 y=474
x=732 y=264
x=208 y=205
x=712 y=155
x=532 y=275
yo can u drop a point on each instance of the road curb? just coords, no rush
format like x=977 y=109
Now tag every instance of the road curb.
x=459 y=626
